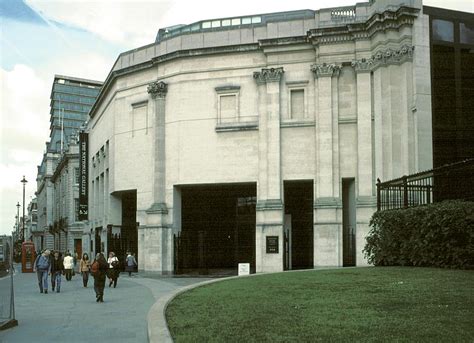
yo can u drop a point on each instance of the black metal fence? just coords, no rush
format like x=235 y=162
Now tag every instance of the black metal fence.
x=7 y=298
x=452 y=181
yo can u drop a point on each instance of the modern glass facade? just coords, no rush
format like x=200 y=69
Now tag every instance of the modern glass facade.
x=452 y=84
x=71 y=101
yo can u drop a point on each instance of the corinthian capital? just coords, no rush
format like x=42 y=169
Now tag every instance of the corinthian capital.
x=268 y=75
x=325 y=69
x=157 y=89
x=362 y=65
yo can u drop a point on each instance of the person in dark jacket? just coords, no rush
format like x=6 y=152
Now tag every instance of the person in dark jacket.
x=130 y=263
x=114 y=269
x=42 y=267
x=57 y=269
x=99 y=271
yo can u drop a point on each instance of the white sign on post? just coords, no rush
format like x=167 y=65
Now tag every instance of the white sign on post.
x=244 y=269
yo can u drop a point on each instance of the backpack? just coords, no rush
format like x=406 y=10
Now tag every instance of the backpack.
x=43 y=263
x=95 y=268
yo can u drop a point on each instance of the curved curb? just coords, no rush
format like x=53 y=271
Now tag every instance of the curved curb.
x=158 y=331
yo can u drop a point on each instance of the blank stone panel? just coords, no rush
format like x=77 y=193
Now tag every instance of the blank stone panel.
x=228 y=108
x=140 y=118
x=347 y=93
x=297 y=104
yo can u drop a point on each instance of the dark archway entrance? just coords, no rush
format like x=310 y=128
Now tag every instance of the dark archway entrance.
x=299 y=237
x=124 y=238
x=218 y=228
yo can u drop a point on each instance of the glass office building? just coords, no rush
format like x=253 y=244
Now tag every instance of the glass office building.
x=71 y=101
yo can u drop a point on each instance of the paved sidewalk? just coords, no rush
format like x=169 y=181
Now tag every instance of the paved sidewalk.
x=74 y=316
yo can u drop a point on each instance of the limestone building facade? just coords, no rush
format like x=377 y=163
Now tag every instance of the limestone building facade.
x=71 y=100
x=259 y=139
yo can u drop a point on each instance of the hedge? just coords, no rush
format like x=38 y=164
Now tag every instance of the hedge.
x=435 y=235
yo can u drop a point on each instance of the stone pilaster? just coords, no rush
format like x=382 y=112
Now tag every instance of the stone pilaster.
x=327 y=205
x=365 y=202
x=158 y=90
x=157 y=235
x=269 y=204
x=364 y=128
x=324 y=129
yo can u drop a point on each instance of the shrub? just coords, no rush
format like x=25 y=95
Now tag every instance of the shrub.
x=439 y=235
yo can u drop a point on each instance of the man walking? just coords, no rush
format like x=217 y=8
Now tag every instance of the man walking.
x=42 y=268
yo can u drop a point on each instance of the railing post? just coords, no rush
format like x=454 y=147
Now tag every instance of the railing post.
x=405 y=191
x=378 y=195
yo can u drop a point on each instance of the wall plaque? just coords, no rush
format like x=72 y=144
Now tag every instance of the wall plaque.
x=272 y=244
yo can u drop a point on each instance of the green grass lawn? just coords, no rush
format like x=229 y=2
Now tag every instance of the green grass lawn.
x=344 y=305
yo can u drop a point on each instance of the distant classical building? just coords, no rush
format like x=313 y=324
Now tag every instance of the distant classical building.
x=258 y=139
x=31 y=224
x=71 y=101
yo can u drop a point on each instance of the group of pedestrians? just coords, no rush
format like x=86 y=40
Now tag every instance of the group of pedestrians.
x=56 y=266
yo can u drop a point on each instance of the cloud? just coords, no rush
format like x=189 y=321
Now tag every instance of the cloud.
x=24 y=129
x=130 y=23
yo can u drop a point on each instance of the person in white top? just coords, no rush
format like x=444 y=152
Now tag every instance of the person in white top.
x=114 y=269
x=68 y=266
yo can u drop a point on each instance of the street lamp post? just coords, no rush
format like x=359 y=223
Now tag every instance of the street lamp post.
x=23 y=219
x=17 y=219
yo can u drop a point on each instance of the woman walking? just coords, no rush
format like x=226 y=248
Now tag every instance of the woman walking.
x=68 y=266
x=99 y=270
x=84 y=268
x=131 y=263
x=114 y=269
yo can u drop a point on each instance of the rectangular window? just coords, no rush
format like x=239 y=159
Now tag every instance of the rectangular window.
x=216 y=23
x=226 y=22
x=443 y=30
x=297 y=104
x=76 y=209
x=466 y=32
x=206 y=25
x=246 y=21
x=76 y=175
x=236 y=21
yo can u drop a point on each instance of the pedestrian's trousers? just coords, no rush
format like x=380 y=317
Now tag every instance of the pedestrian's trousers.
x=56 y=280
x=42 y=279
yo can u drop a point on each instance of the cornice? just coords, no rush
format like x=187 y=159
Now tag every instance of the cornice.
x=379 y=22
x=283 y=41
x=157 y=208
x=327 y=202
x=270 y=204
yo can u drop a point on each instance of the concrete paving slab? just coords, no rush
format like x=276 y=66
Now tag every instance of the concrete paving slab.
x=74 y=316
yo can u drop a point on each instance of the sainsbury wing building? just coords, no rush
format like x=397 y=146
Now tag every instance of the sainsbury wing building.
x=258 y=139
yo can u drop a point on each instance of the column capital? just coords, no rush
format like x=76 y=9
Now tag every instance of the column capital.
x=391 y=56
x=363 y=65
x=268 y=75
x=325 y=69
x=157 y=89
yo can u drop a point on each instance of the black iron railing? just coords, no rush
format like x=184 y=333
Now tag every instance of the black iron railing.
x=452 y=181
